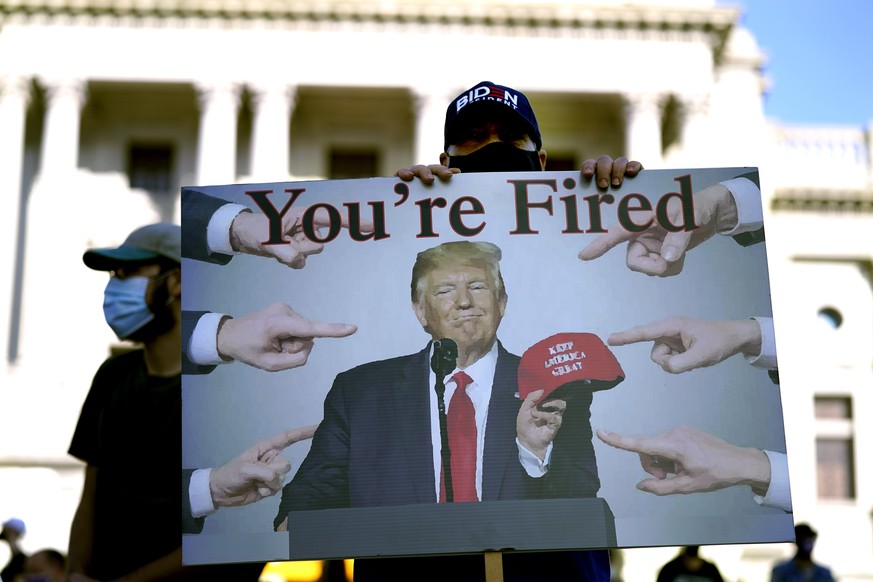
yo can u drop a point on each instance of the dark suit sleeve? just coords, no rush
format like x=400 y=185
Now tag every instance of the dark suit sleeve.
x=573 y=466
x=190 y=524
x=755 y=236
x=189 y=322
x=322 y=482
x=197 y=209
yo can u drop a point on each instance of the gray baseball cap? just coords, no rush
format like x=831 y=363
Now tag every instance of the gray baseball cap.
x=146 y=243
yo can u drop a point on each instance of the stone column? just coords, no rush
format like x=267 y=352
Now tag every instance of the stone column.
x=60 y=143
x=695 y=131
x=643 y=112
x=430 y=117
x=216 y=141
x=14 y=98
x=272 y=107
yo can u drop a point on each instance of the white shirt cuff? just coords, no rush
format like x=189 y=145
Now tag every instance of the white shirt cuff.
x=218 y=230
x=203 y=345
x=199 y=494
x=531 y=463
x=767 y=358
x=779 y=492
x=750 y=212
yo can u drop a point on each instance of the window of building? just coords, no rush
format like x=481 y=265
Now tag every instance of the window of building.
x=831 y=316
x=353 y=163
x=150 y=168
x=835 y=447
x=561 y=162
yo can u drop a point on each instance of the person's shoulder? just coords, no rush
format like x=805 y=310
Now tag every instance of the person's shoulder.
x=782 y=566
x=389 y=367
x=121 y=363
x=123 y=360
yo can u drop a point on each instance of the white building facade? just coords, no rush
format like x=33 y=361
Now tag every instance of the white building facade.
x=108 y=107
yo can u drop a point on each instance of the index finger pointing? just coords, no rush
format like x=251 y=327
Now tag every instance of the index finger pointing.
x=642 y=333
x=294 y=435
x=321 y=219
x=296 y=326
x=634 y=444
x=600 y=245
x=319 y=329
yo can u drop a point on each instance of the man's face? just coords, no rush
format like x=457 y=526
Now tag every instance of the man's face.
x=461 y=302
x=158 y=298
x=483 y=132
x=480 y=131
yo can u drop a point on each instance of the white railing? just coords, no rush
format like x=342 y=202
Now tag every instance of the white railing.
x=831 y=157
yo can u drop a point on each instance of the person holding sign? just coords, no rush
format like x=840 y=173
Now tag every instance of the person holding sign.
x=493 y=128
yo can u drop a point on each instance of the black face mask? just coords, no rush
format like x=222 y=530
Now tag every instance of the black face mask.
x=497 y=157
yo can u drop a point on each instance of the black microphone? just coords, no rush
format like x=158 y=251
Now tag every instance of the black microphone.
x=443 y=361
x=445 y=357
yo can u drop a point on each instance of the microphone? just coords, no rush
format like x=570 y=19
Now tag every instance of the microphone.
x=443 y=361
x=445 y=357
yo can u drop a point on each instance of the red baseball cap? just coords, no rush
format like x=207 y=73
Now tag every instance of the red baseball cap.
x=571 y=360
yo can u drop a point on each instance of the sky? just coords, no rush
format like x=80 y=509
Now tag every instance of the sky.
x=819 y=58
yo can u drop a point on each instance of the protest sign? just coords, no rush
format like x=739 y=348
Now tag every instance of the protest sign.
x=663 y=377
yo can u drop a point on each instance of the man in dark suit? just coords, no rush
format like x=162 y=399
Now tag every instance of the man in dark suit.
x=379 y=442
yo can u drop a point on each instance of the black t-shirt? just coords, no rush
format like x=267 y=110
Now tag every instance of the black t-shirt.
x=677 y=571
x=130 y=429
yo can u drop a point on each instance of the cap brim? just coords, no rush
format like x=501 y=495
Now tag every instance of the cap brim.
x=474 y=110
x=110 y=259
x=587 y=385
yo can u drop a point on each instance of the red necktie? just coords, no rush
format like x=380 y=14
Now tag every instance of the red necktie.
x=461 y=425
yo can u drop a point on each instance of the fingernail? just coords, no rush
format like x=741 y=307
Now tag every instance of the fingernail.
x=616 y=182
x=603 y=183
x=670 y=254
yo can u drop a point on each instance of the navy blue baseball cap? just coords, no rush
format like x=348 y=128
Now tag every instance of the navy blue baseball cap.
x=488 y=95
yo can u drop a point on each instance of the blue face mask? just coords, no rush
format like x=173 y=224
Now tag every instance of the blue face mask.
x=124 y=305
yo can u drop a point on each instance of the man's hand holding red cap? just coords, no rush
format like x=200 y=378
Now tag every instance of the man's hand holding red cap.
x=658 y=252
x=275 y=338
x=537 y=423
x=689 y=460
